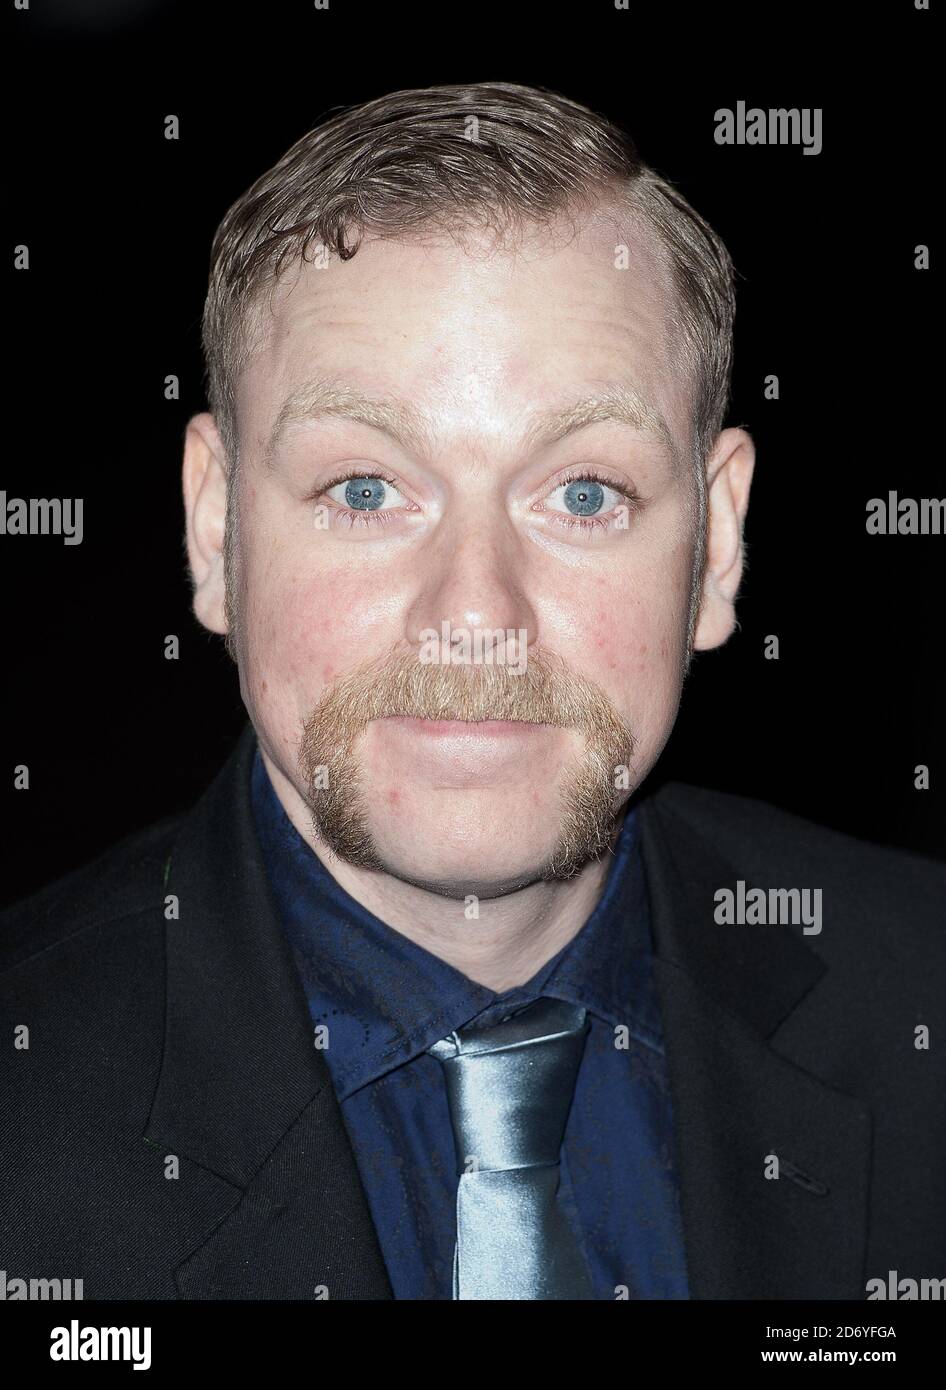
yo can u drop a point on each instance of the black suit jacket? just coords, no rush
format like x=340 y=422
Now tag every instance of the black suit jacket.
x=184 y=1046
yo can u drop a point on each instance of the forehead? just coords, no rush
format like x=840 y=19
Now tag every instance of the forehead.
x=478 y=333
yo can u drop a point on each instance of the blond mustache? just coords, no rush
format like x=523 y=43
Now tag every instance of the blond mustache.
x=399 y=685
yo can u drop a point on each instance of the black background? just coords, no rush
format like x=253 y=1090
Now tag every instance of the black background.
x=119 y=221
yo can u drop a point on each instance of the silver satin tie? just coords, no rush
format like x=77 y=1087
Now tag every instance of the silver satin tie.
x=510 y=1088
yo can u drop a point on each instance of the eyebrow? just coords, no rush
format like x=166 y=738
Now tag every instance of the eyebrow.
x=326 y=398
x=406 y=425
x=617 y=402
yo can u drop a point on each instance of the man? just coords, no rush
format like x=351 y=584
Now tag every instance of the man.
x=434 y=994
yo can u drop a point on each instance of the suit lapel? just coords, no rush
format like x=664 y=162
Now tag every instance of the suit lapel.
x=724 y=991
x=243 y=1092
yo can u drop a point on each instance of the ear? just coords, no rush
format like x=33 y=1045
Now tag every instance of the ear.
x=729 y=477
x=205 y=502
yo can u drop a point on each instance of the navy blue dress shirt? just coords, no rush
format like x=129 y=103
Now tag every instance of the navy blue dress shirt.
x=385 y=1000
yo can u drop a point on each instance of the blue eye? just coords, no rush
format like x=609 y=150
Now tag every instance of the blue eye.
x=365 y=493
x=583 y=497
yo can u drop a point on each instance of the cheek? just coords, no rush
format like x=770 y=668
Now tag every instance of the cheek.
x=626 y=631
x=626 y=625
x=309 y=629
x=637 y=659
x=302 y=629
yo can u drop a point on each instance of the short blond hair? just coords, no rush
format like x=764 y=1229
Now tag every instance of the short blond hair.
x=441 y=157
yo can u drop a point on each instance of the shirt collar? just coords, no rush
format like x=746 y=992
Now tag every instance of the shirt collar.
x=385 y=999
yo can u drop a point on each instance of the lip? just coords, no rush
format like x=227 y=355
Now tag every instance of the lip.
x=461 y=728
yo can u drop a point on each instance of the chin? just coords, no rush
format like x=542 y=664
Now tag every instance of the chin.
x=489 y=869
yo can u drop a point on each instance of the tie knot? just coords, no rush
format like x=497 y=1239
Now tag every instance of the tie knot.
x=510 y=1085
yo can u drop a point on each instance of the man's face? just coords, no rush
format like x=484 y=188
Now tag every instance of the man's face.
x=381 y=561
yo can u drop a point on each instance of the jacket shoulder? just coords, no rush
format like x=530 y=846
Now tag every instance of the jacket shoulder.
x=900 y=893
x=125 y=880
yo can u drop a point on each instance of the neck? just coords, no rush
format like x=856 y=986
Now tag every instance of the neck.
x=511 y=938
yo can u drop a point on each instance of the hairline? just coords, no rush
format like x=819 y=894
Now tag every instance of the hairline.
x=597 y=199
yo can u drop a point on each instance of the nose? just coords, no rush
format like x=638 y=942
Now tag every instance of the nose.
x=473 y=583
